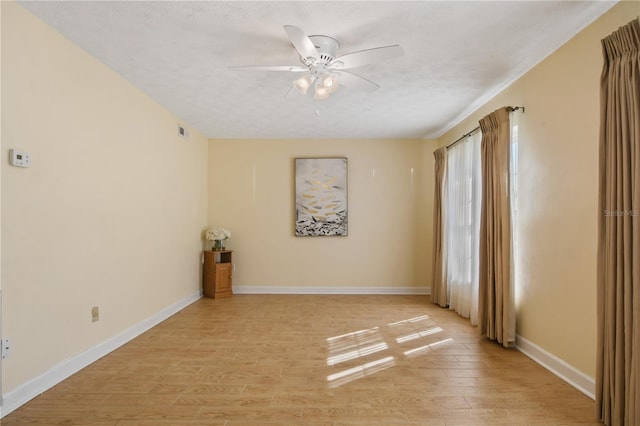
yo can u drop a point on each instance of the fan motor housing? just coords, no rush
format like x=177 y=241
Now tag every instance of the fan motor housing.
x=327 y=47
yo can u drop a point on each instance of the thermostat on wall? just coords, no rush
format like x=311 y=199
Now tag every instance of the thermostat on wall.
x=19 y=158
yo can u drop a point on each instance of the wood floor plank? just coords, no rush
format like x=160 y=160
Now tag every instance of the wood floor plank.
x=310 y=360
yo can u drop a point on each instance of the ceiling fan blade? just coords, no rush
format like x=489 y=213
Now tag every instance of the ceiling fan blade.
x=368 y=56
x=290 y=68
x=301 y=42
x=356 y=81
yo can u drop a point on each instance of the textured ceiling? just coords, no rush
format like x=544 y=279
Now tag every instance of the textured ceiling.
x=457 y=56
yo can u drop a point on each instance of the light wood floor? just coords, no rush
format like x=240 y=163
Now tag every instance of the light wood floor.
x=310 y=360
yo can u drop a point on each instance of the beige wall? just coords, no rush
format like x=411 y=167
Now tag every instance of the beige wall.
x=389 y=194
x=110 y=213
x=558 y=187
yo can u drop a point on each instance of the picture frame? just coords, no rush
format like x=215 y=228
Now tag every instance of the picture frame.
x=321 y=197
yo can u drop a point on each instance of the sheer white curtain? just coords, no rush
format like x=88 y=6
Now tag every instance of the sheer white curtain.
x=463 y=225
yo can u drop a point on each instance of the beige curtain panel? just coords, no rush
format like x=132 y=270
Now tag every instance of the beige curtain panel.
x=496 y=316
x=618 y=360
x=439 y=290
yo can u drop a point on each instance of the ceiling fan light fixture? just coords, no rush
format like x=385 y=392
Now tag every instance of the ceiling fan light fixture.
x=321 y=92
x=330 y=82
x=303 y=83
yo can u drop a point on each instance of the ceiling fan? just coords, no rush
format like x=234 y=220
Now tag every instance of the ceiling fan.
x=323 y=70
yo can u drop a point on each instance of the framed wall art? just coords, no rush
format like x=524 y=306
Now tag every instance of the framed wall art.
x=321 y=196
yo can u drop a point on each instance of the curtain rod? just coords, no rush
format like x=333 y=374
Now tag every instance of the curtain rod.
x=466 y=135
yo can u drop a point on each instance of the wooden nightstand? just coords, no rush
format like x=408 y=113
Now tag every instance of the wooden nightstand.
x=218 y=274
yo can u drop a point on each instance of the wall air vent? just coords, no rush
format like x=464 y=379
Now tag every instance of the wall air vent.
x=182 y=131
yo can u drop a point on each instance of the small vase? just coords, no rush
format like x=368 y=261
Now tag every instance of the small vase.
x=217 y=245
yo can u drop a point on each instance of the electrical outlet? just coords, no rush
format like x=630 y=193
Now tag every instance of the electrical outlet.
x=6 y=348
x=95 y=314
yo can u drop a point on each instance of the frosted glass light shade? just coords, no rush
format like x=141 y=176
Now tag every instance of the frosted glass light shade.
x=330 y=82
x=302 y=84
x=321 y=92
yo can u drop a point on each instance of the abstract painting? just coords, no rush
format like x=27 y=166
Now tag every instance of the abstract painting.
x=321 y=196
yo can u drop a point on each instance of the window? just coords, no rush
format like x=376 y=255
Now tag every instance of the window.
x=463 y=200
x=463 y=225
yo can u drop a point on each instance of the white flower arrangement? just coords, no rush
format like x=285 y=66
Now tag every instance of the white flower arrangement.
x=218 y=233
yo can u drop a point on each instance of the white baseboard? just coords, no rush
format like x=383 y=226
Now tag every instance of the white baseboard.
x=249 y=289
x=560 y=368
x=34 y=387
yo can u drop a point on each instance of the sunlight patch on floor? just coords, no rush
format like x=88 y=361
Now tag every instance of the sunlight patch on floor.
x=423 y=349
x=360 y=371
x=420 y=332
